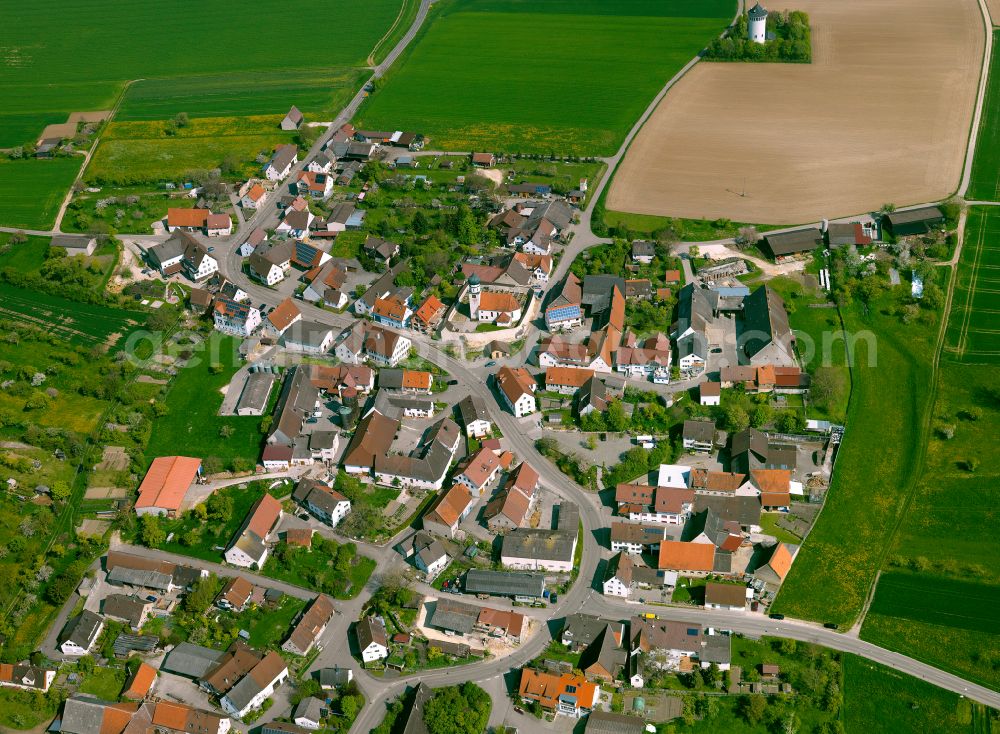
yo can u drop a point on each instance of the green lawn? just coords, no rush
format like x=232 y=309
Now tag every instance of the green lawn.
x=689 y=230
x=985 y=180
x=105 y=683
x=878 y=700
x=26 y=257
x=591 y=69
x=81 y=64
x=407 y=14
x=141 y=151
x=21 y=710
x=769 y=525
x=269 y=628
x=193 y=537
x=191 y=426
x=31 y=191
x=834 y=570
x=321 y=568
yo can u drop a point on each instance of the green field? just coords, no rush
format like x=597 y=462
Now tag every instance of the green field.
x=688 y=230
x=191 y=426
x=31 y=191
x=407 y=14
x=135 y=152
x=589 y=69
x=834 y=570
x=948 y=538
x=81 y=63
x=879 y=700
x=985 y=181
x=26 y=257
x=80 y=323
x=317 y=92
x=938 y=600
x=974 y=322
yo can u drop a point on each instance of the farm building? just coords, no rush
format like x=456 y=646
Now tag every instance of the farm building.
x=784 y=244
x=913 y=221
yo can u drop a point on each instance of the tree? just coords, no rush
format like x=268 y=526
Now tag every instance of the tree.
x=200 y=598
x=226 y=430
x=18 y=238
x=181 y=119
x=60 y=490
x=760 y=414
x=827 y=387
x=615 y=416
x=219 y=506
x=735 y=417
x=265 y=423
x=752 y=708
x=151 y=531
x=463 y=709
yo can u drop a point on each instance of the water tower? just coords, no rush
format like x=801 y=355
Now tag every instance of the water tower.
x=757 y=24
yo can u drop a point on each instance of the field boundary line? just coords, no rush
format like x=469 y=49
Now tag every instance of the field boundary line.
x=977 y=116
x=370 y=61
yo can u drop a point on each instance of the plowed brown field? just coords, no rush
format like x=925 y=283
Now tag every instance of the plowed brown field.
x=881 y=115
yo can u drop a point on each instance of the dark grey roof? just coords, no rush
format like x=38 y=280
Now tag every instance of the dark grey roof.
x=308 y=333
x=473 y=408
x=83 y=715
x=310 y=708
x=454 y=615
x=390 y=379
x=283 y=727
x=568 y=518
x=757 y=12
x=642 y=248
x=126 y=644
x=602 y=722
x=765 y=321
x=606 y=652
x=706 y=522
x=798 y=240
x=256 y=391
x=922 y=214
x=539 y=544
x=699 y=430
x=244 y=692
x=283 y=156
x=415 y=716
x=71 y=242
x=556 y=211
x=191 y=660
x=369 y=630
x=335 y=676
x=582 y=630
x=500 y=583
x=82 y=629
x=718 y=649
x=744 y=510
x=597 y=290
x=695 y=310
x=129 y=608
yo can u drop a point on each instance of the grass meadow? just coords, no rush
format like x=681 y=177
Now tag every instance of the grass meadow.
x=82 y=62
x=945 y=612
x=973 y=334
x=31 y=191
x=192 y=427
x=985 y=181
x=141 y=151
x=563 y=77
x=879 y=700
x=835 y=569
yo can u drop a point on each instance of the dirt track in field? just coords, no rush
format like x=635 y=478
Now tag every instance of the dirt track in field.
x=881 y=115
x=994 y=8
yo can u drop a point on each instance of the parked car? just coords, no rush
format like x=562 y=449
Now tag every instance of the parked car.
x=831 y=625
x=776 y=616
x=491 y=363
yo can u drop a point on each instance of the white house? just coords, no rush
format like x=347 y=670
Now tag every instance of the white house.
x=218 y=225
x=308 y=337
x=326 y=503
x=254 y=197
x=539 y=549
x=517 y=387
x=372 y=640
x=238 y=319
x=255 y=687
x=280 y=165
x=710 y=393
x=475 y=416
x=80 y=633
